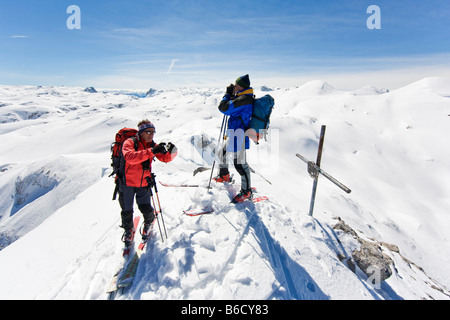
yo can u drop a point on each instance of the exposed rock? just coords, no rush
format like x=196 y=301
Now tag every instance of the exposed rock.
x=369 y=258
x=391 y=247
x=341 y=225
x=372 y=261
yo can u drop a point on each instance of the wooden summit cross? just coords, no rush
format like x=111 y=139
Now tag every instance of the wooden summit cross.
x=314 y=170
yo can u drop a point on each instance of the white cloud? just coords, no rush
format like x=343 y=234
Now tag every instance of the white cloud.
x=172 y=65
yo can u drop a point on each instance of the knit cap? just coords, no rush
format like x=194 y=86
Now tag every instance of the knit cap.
x=243 y=81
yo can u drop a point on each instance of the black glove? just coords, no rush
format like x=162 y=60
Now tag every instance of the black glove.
x=150 y=181
x=159 y=148
x=230 y=89
x=171 y=148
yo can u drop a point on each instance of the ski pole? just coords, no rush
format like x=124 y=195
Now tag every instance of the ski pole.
x=160 y=210
x=221 y=135
x=156 y=215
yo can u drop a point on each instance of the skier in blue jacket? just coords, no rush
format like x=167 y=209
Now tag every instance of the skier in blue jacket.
x=238 y=105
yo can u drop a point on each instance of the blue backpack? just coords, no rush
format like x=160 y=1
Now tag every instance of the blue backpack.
x=259 y=123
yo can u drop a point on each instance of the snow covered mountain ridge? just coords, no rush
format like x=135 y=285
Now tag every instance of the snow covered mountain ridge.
x=59 y=229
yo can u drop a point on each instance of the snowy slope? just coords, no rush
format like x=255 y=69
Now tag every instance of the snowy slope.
x=60 y=233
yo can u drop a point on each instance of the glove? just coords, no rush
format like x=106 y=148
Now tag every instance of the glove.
x=230 y=89
x=159 y=148
x=171 y=148
x=150 y=181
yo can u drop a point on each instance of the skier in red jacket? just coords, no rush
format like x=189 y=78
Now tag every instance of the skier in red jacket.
x=138 y=153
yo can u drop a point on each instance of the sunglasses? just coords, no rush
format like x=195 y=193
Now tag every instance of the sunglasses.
x=150 y=132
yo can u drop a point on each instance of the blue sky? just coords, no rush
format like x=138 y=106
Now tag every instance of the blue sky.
x=141 y=44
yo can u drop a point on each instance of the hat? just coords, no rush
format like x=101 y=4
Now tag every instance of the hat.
x=243 y=81
x=145 y=126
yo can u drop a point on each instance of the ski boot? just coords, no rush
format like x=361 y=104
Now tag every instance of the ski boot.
x=242 y=196
x=224 y=176
x=149 y=218
x=221 y=179
x=128 y=239
x=146 y=230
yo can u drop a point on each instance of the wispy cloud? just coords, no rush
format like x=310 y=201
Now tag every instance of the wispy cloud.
x=18 y=37
x=172 y=65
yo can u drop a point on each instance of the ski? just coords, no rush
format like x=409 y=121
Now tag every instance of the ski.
x=178 y=185
x=197 y=212
x=254 y=200
x=126 y=280
x=259 y=199
x=112 y=288
x=128 y=273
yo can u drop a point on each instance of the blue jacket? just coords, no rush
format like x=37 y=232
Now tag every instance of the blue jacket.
x=239 y=108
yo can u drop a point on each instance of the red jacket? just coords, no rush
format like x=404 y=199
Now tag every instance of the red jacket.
x=135 y=175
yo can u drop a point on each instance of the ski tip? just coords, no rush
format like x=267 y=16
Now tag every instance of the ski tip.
x=142 y=245
x=260 y=199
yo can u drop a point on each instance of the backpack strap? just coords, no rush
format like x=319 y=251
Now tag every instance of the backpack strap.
x=135 y=140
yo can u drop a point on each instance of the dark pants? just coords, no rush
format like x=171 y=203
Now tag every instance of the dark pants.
x=126 y=200
x=241 y=165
